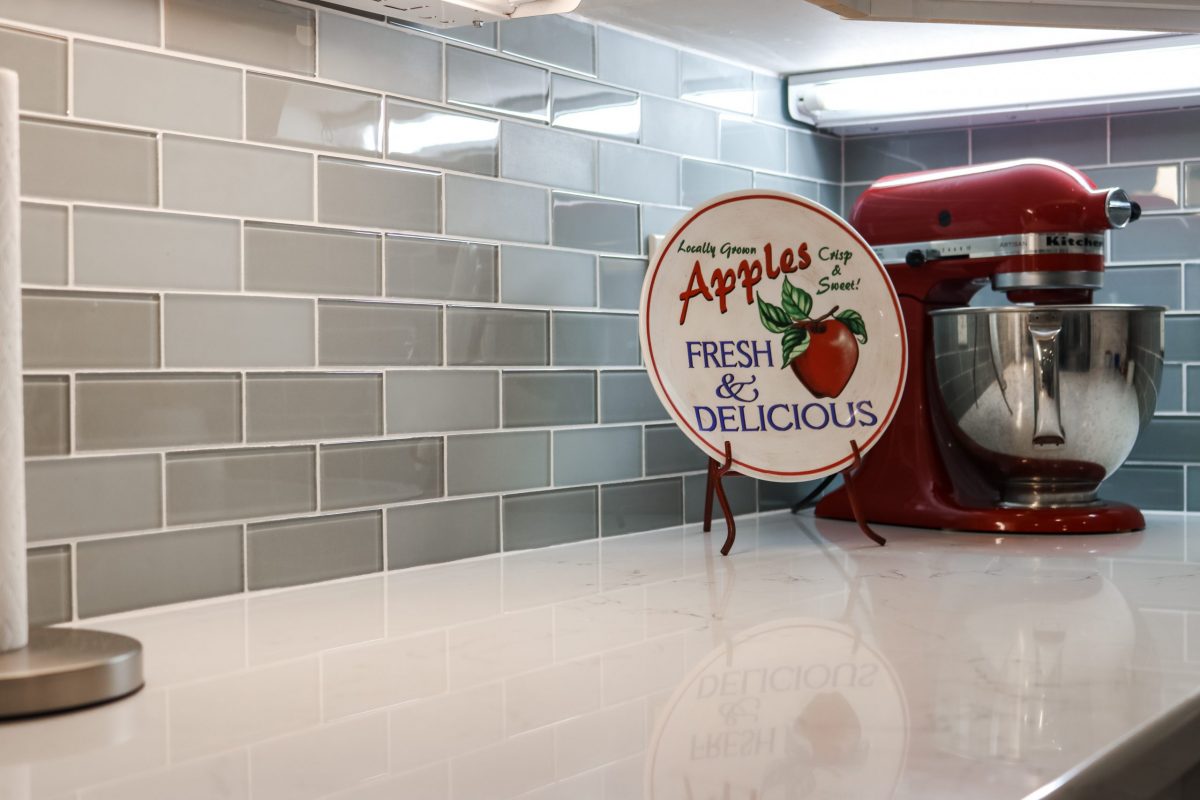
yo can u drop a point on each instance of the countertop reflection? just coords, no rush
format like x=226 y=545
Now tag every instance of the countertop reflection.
x=809 y=664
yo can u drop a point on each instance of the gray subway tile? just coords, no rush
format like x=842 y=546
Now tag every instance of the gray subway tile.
x=1154 y=186
x=472 y=205
x=1158 y=238
x=636 y=173
x=781 y=183
x=117 y=247
x=1192 y=379
x=481 y=36
x=754 y=145
x=282 y=407
x=304 y=114
x=594 y=455
x=1168 y=439
x=127 y=411
x=595 y=339
x=539 y=399
x=381 y=57
x=377 y=195
x=741 y=491
x=1183 y=338
x=702 y=181
x=1170 y=390
x=588 y=223
x=131 y=20
x=668 y=451
x=480 y=80
x=420 y=401
x=230 y=331
x=1193 y=488
x=679 y=127
x=538 y=154
x=44 y=243
x=287 y=258
x=41 y=65
x=141 y=571
x=770 y=99
x=638 y=63
x=1160 y=286
x=47 y=415
x=812 y=155
x=433 y=533
x=641 y=506
x=716 y=83
x=547 y=277
x=439 y=269
x=48 y=570
x=1151 y=137
x=497 y=462
x=1075 y=141
x=1191 y=184
x=1147 y=487
x=261 y=32
x=435 y=137
x=86 y=496
x=154 y=91
x=776 y=496
x=875 y=156
x=850 y=195
x=595 y=108
x=629 y=397
x=309 y=550
x=378 y=473
x=621 y=282
x=89 y=330
x=658 y=220
x=542 y=519
x=497 y=337
x=371 y=334
x=551 y=39
x=79 y=162
x=830 y=196
x=1191 y=287
x=239 y=179
x=235 y=484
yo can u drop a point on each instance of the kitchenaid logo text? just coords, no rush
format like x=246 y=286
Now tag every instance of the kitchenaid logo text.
x=1068 y=240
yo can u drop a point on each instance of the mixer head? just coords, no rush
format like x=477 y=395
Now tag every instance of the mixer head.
x=1033 y=227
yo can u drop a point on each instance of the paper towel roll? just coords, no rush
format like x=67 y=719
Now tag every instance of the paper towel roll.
x=14 y=612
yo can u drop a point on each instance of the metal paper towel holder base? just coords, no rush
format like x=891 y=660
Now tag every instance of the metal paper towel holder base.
x=68 y=668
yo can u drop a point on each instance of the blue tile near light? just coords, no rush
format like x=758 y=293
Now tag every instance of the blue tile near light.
x=1075 y=141
x=873 y=157
x=1158 y=238
x=588 y=223
x=782 y=183
x=1159 y=286
x=753 y=144
x=1160 y=136
x=637 y=173
x=480 y=80
x=679 y=127
x=716 y=83
x=434 y=137
x=1170 y=390
x=702 y=180
x=552 y=39
x=1183 y=338
x=812 y=155
x=537 y=154
x=595 y=108
x=1148 y=487
x=1154 y=186
x=637 y=63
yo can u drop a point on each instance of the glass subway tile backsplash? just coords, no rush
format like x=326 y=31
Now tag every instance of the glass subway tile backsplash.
x=310 y=295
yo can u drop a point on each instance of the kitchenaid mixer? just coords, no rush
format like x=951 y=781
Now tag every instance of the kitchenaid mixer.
x=1011 y=416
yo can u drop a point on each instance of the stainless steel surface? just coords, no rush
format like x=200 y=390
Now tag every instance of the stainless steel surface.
x=1119 y=208
x=1009 y=244
x=65 y=668
x=1048 y=279
x=1048 y=400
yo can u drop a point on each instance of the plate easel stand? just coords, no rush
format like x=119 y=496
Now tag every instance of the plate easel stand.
x=717 y=470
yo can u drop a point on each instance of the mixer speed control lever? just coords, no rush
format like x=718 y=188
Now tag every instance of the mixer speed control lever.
x=1047 y=415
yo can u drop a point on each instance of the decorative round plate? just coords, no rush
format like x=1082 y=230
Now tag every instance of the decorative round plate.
x=768 y=322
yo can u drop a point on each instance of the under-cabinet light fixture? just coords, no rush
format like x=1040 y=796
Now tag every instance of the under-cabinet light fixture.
x=1148 y=73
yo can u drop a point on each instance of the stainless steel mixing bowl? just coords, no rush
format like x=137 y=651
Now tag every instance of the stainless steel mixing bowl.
x=1048 y=400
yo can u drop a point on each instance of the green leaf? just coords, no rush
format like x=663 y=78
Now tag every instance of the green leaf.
x=796 y=302
x=773 y=318
x=795 y=342
x=854 y=321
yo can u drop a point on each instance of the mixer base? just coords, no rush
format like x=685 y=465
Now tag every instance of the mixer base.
x=1100 y=517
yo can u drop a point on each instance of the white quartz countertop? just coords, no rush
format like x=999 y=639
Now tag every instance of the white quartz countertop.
x=809 y=664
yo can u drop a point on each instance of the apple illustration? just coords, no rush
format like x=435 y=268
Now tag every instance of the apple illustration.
x=822 y=352
x=826 y=365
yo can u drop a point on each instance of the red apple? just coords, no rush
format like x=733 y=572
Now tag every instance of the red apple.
x=826 y=366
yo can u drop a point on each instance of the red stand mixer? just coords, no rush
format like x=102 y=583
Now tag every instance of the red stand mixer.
x=1011 y=416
